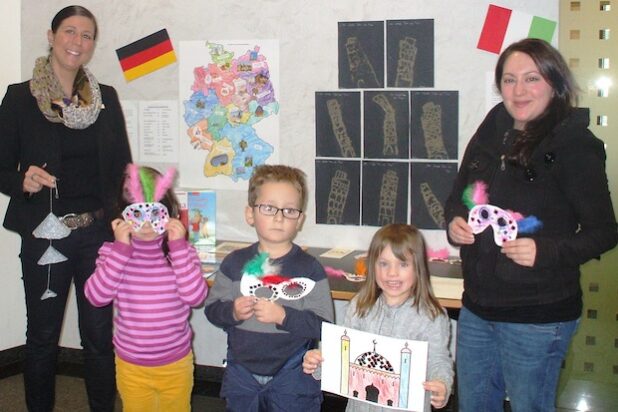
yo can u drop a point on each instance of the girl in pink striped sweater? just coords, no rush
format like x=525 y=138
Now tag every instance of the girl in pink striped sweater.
x=153 y=276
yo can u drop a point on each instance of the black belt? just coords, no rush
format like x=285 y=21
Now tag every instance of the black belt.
x=78 y=220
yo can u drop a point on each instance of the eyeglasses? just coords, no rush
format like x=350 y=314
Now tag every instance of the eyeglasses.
x=287 y=212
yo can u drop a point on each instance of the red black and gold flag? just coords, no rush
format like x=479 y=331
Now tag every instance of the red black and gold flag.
x=146 y=55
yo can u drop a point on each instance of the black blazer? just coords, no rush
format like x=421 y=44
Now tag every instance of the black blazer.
x=28 y=138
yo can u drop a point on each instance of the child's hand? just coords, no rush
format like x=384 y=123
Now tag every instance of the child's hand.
x=267 y=311
x=175 y=229
x=122 y=231
x=243 y=307
x=312 y=360
x=438 y=393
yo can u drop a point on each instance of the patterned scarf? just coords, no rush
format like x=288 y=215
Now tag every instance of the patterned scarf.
x=77 y=112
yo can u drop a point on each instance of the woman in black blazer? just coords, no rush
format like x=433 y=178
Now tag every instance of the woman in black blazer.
x=63 y=149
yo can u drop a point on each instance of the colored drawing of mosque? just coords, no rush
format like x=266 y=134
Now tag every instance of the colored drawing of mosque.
x=371 y=377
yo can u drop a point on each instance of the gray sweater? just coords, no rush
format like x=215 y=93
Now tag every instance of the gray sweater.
x=404 y=322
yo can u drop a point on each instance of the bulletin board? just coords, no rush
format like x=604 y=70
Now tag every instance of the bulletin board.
x=309 y=49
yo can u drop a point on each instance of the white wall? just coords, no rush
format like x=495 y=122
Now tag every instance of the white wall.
x=12 y=306
x=307 y=34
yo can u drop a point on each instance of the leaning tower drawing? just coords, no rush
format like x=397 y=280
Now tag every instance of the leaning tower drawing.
x=406 y=60
x=431 y=122
x=388 y=198
x=337 y=197
x=339 y=129
x=389 y=126
x=433 y=205
x=362 y=72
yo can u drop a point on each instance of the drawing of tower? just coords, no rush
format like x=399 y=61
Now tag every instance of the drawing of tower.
x=361 y=70
x=389 y=126
x=405 y=62
x=431 y=122
x=337 y=198
x=339 y=129
x=388 y=198
x=345 y=362
x=404 y=382
x=433 y=205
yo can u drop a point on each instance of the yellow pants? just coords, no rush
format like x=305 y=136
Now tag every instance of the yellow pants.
x=164 y=388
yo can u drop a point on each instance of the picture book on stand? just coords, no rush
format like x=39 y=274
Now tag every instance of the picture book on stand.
x=199 y=216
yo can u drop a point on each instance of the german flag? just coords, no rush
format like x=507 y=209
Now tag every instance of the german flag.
x=146 y=55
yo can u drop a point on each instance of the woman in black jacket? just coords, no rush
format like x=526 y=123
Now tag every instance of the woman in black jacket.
x=532 y=161
x=63 y=149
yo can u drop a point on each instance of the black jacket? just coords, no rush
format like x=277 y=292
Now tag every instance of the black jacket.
x=27 y=138
x=565 y=186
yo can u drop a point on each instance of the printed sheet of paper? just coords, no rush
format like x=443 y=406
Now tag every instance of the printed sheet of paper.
x=157 y=131
x=336 y=253
x=373 y=368
x=228 y=247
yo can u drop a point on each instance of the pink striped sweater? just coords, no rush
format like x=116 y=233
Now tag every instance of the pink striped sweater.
x=152 y=296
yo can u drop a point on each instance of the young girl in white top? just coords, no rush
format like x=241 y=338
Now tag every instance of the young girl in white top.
x=397 y=300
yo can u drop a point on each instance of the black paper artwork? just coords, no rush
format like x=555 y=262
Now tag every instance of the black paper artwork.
x=434 y=124
x=386 y=125
x=431 y=185
x=361 y=55
x=337 y=189
x=410 y=53
x=385 y=193
x=338 y=124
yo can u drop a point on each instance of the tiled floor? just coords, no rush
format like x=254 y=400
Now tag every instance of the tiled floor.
x=71 y=397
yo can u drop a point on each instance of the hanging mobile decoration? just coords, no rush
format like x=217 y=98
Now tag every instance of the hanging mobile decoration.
x=51 y=228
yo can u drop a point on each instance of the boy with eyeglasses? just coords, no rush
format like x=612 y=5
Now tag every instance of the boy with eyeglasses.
x=271 y=299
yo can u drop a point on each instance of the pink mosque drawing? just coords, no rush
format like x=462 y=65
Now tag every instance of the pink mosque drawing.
x=371 y=376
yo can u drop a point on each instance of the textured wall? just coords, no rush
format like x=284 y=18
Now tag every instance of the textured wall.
x=590 y=373
x=307 y=34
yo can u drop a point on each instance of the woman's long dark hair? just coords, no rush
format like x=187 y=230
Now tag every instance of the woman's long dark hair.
x=553 y=68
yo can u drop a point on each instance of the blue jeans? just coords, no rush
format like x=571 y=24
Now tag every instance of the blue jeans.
x=518 y=360
x=45 y=318
x=290 y=389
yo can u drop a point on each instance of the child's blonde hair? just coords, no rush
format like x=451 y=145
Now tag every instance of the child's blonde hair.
x=406 y=242
x=277 y=173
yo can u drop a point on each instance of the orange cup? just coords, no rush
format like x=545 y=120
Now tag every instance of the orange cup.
x=360 y=265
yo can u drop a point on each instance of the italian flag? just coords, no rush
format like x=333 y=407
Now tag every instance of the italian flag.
x=504 y=26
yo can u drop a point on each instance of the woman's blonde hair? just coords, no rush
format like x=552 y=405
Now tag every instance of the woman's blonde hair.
x=406 y=242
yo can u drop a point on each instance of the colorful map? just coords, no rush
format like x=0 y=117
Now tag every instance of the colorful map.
x=229 y=97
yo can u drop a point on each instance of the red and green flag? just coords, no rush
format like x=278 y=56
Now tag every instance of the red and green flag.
x=505 y=26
